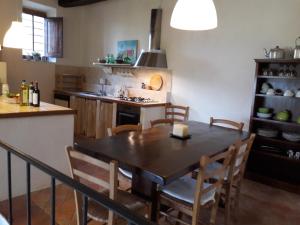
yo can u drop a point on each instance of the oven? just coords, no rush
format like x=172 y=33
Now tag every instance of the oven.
x=127 y=114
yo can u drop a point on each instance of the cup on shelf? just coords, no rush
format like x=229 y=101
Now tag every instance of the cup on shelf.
x=270 y=91
x=288 y=93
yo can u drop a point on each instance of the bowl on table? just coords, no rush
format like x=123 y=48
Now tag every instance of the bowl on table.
x=263 y=110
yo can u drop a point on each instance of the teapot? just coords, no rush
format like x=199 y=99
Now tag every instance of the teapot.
x=275 y=53
x=297 y=49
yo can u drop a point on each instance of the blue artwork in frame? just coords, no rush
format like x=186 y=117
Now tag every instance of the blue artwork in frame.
x=128 y=50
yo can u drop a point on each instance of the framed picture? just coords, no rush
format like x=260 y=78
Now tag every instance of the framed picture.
x=127 y=50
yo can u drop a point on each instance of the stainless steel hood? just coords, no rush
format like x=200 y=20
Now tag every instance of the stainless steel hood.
x=154 y=57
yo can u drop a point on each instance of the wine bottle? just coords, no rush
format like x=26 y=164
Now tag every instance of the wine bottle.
x=24 y=94
x=30 y=98
x=36 y=95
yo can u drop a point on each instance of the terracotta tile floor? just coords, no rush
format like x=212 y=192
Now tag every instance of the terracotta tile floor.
x=260 y=205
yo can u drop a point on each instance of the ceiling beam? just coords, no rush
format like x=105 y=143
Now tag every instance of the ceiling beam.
x=74 y=3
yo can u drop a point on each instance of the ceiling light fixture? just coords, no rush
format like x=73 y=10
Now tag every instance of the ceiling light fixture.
x=14 y=36
x=194 y=15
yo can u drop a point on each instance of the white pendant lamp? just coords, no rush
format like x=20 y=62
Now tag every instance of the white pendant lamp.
x=194 y=15
x=14 y=36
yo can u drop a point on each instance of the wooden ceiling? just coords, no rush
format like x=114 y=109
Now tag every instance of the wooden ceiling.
x=73 y=3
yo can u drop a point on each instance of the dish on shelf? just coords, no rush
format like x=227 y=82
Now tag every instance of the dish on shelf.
x=263 y=110
x=264 y=115
x=265 y=87
x=294 y=137
x=267 y=133
x=282 y=116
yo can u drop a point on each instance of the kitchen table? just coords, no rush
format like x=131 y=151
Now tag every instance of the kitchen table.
x=157 y=159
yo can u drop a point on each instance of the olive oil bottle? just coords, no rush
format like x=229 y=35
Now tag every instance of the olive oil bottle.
x=24 y=94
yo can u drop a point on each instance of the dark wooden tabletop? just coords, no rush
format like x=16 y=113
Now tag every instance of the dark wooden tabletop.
x=154 y=154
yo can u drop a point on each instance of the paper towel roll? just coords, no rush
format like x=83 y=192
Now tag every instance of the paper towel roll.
x=3 y=73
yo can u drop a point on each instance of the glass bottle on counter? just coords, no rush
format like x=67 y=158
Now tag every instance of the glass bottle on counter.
x=30 y=98
x=36 y=95
x=24 y=94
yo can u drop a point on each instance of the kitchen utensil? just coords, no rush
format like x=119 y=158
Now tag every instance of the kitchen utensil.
x=297 y=155
x=270 y=91
x=294 y=137
x=264 y=115
x=263 y=110
x=156 y=82
x=282 y=116
x=297 y=49
x=274 y=53
x=288 y=93
x=290 y=154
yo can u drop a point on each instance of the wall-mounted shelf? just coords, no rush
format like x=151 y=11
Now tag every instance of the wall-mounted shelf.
x=277 y=77
x=118 y=69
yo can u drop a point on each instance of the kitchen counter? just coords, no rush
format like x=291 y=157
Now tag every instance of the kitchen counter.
x=8 y=109
x=108 y=99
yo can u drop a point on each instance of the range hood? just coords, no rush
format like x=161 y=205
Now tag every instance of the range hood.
x=154 y=57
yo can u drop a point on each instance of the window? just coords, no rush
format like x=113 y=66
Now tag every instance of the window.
x=34 y=27
x=42 y=35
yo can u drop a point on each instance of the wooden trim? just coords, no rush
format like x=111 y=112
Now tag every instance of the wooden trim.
x=34 y=12
x=238 y=126
x=161 y=122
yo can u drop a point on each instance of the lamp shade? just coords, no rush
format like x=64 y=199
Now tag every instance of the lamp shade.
x=14 y=36
x=194 y=15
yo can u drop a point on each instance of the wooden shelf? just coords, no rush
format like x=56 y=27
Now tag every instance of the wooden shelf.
x=129 y=66
x=280 y=142
x=291 y=124
x=276 y=96
x=278 y=77
x=284 y=61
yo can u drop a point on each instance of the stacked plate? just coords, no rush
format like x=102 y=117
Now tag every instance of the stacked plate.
x=291 y=136
x=267 y=133
x=264 y=115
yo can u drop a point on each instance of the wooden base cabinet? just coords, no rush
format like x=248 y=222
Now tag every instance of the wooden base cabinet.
x=93 y=117
x=269 y=161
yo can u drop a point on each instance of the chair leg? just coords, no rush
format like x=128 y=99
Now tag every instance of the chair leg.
x=237 y=200
x=179 y=216
x=213 y=214
x=227 y=203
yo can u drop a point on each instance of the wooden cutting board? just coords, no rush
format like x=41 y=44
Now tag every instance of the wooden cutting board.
x=156 y=82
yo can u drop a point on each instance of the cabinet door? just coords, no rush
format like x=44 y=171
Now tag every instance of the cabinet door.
x=91 y=106
x=104 y=118
x=79 y=105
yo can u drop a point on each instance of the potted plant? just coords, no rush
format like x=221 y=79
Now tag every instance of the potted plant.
x=36 y=56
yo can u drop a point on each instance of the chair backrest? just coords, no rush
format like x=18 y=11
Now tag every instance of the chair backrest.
x=93 y=173
x=215 y=176
x=236 y=125
x=243 y=149
x=177 y=113
x=158 y=122
x=123 y=128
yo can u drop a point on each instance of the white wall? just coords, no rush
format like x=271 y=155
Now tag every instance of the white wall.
x=213 y=71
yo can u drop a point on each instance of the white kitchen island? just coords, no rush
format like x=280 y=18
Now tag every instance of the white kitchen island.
x=41 y=132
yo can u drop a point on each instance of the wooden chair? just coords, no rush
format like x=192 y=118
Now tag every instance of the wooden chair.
x=101 y=176
x=188 y=196
x=238 y=126
x=233 y=180
x=159 y=122
x=123 y=129
x=176 y=113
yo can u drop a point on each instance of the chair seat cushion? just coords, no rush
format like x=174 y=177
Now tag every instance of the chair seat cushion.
x=126 y=173
x=132 y=202
x=215 y=166
x=184 y=189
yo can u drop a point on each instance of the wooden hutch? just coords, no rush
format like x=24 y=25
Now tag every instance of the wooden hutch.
x=269 y=161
